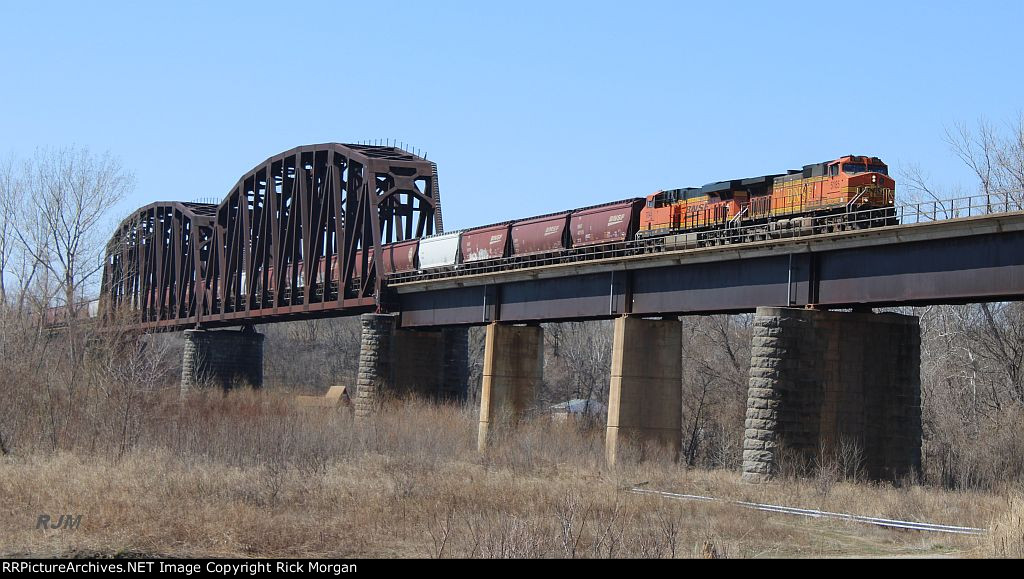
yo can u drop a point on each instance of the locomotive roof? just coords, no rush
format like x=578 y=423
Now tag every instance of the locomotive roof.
x=740 y=184
x=718 y=186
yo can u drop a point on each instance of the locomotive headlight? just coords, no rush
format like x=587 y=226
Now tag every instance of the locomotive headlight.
x=874 y=178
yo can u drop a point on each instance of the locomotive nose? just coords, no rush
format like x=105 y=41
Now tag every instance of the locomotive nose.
x=867 y=179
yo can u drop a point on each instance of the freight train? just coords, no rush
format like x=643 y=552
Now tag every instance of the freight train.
x=849 y=192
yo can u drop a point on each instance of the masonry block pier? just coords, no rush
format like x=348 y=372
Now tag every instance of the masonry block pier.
x=512 y=374
x=226 y=358
x=394 y=362
x=645 y=395
x=835 y=382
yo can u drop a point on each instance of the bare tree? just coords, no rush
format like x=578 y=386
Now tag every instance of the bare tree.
x=585 y=350
x=916 y=187
x=9 y=188
x=1010 y=159
x=972 y=355
x=715 y=374
x=18 y=225
x=997 y=159
x=70 y=190
x=978 y=152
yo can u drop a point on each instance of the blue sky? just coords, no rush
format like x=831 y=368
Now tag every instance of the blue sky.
x=527 y=107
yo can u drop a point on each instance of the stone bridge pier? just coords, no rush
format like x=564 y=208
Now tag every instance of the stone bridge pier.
x=394 y=363
x=225 y=358
x=833 y=382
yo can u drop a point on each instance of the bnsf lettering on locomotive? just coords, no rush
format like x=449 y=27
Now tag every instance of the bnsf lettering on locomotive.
x=616 y=219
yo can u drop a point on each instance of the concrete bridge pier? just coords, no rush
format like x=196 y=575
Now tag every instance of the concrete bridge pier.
x=846 y=384
x=512 y=374
x=394 y=362
x=645 y=395
x=226 y=358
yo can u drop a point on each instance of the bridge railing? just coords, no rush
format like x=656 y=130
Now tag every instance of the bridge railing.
x=784 y=228
x=970 y=206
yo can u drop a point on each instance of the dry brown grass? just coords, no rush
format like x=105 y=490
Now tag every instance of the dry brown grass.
x=253 y=474
x=1006 y=537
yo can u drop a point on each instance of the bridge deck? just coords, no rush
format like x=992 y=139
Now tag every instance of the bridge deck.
x=955 y=260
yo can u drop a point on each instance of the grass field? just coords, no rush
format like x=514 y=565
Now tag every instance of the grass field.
x=257 y=475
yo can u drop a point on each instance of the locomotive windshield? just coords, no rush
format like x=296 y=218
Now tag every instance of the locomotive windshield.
x=854 y=168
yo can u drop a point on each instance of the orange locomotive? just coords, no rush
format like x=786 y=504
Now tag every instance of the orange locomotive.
x=829 y=191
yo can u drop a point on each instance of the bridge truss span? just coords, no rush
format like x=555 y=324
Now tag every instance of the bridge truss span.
x=299 y=234
x=155 y=259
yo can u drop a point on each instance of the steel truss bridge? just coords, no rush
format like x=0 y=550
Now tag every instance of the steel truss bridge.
x=262 y=254
x=300 y=236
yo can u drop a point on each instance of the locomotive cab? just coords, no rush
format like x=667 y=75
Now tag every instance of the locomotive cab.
x=862 y=181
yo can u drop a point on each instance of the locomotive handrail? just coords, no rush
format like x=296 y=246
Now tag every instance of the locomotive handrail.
x=854 y=200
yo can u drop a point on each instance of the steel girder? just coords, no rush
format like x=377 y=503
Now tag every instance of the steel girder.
x=950 y=262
